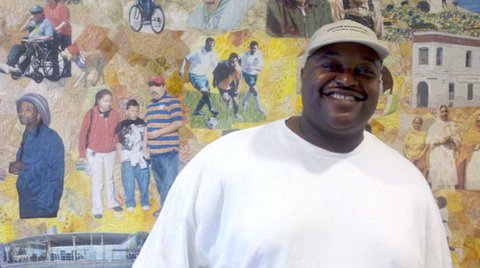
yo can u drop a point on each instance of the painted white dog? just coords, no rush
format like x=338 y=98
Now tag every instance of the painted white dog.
x=87 y=61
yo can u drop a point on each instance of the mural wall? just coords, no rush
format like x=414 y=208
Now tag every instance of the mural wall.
x=229 y=65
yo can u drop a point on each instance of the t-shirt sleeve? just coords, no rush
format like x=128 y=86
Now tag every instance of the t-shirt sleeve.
x=188 y=223
x=176 y=111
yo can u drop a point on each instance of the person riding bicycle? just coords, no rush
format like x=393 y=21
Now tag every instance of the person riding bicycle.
x=39 y=29
x=147 y=6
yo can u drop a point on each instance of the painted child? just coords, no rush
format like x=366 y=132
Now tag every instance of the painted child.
x=134 y=156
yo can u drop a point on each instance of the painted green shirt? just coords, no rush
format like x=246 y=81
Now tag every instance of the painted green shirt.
x=288 y=20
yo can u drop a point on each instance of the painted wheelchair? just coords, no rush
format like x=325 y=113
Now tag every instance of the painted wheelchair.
x=45 y=61
x=146 y=12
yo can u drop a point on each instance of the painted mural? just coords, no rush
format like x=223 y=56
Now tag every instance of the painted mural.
x=225 y=65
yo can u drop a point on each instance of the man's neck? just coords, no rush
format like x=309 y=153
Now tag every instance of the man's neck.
x=337 y=143
x=30 y=127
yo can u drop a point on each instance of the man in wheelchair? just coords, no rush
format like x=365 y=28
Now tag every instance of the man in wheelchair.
x=39 y=29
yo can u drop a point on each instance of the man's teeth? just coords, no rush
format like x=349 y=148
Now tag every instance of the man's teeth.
x=342 y=97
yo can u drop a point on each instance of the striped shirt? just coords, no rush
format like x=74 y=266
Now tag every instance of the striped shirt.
x=161 y=113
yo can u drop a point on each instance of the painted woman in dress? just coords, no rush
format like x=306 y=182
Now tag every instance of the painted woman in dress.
x=414 y=146
x=443 y=140
x=469 y=157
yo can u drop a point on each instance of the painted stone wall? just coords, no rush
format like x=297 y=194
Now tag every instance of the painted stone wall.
x=412 y=88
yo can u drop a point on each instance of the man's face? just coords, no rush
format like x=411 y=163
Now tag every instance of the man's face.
x=209 y=46
x=157 y=91
x=253 y=49
x=132 y=112
x=340 y=88
x=28 y=114
x=444 y=113
x=233 y=60
x=52 y=3
x=37 y=16
x=417 y=124
x=105 y=103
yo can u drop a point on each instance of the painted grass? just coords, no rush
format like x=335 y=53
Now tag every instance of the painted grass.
x=225 y=118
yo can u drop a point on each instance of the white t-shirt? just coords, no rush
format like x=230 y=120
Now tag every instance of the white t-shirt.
x=201 y=61
x=252 y=64
x=264 y=197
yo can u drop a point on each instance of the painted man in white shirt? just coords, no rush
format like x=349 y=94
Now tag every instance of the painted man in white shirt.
x=318 y=190
x=201 y=61
x=252 y=65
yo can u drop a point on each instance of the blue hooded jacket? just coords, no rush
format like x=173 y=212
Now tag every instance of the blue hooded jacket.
x=40 y=182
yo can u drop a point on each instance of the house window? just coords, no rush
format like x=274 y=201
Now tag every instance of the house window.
x=422 y=94
x=423 y=56
x=451 y=91
x=470 y=91
x=468 y=59
x=439 y=56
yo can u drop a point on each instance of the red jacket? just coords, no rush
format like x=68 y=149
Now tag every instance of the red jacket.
x=102 y=137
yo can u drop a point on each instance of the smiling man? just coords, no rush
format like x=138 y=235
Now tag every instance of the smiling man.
x=318 y=190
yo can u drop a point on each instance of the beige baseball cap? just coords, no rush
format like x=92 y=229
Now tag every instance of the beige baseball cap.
x=345 y=31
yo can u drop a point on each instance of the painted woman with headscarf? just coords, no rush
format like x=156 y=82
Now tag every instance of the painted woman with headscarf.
x=414 y=146
x=443 y=140
x=469 y=156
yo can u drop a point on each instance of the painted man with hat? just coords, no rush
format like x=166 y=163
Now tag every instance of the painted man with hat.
x=163 y=119
x=38 y=28
x=318 y=190
x=39 y=163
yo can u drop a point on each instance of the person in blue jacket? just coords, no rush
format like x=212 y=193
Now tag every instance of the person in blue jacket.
x=40 y=162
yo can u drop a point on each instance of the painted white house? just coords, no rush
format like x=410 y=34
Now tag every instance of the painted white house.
x=446 y=70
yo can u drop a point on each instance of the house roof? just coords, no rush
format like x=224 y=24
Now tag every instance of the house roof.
x=445 y=38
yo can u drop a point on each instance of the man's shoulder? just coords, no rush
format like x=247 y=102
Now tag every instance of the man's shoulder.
x=240 y=139
x=166 y=101
x=169 y=100
x=390 y=160
x=50 y=133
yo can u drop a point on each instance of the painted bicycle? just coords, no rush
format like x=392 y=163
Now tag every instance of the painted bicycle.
x=146 y=12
